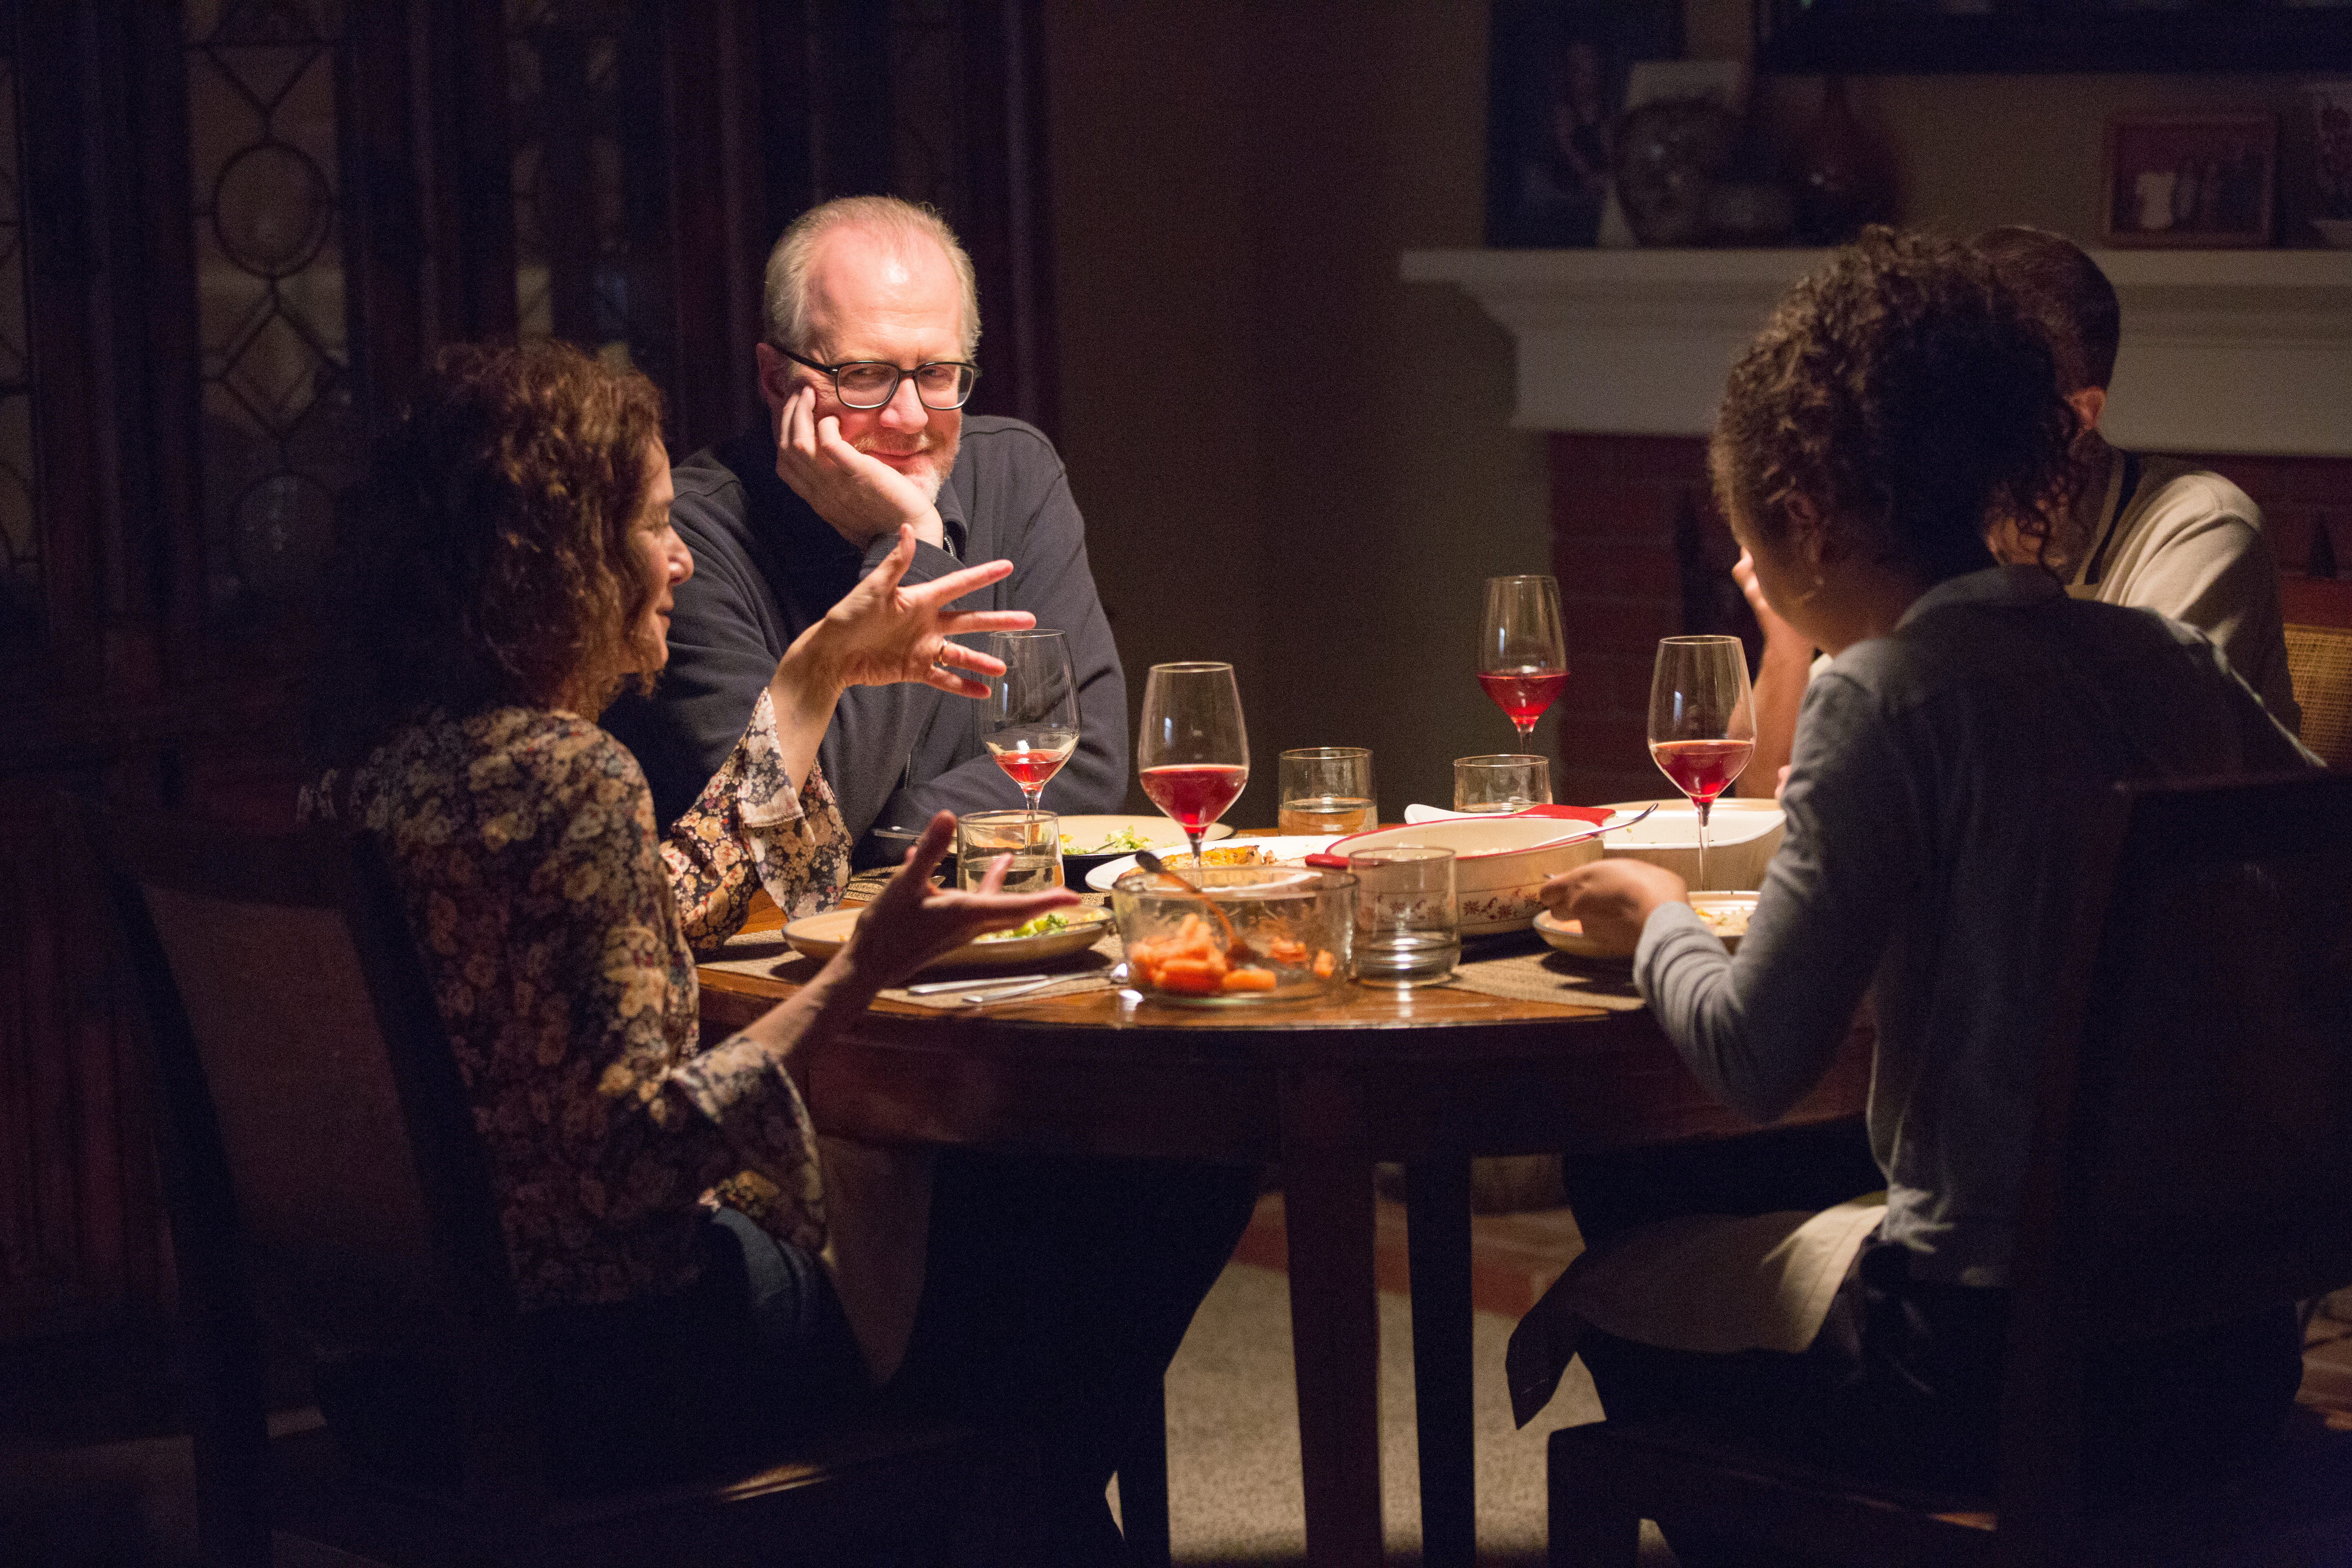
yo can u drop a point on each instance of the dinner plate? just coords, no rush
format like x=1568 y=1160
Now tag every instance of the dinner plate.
x=821 y=936
x=1103 y=876
x=1570 y=938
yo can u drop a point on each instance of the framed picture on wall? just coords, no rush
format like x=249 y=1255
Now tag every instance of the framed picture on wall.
x=2190 y=179
x=1556 y=86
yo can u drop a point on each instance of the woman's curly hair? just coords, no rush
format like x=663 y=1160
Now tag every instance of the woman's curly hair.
x=485 y=558
x=1910 y=397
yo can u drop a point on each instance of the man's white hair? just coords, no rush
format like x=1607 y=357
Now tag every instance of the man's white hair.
x=899 y=224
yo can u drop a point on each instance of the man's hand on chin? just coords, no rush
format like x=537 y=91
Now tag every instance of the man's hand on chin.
x=863 y=496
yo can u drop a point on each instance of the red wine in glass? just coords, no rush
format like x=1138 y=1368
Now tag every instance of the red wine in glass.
x=1522 y=656
x=1524 y=694
x=1031 y=724
x=1191 y=748
x=1702 y=769
x=1702 y=720
x=1029 y=760
x=1194 y=796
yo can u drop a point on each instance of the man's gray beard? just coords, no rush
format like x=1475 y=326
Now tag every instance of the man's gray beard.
x=941 y=460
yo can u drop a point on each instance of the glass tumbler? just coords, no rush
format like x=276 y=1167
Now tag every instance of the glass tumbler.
x=1326 y=791
x=1408 y=920
x=1503 y=782
x=1033 y=839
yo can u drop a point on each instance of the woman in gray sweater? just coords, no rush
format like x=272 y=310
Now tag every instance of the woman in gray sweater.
x=1898 y=399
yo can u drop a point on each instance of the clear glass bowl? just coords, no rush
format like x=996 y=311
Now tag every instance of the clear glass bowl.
x=1291 y=933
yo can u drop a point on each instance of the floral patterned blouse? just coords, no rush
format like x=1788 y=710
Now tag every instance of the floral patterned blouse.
x=555 y=932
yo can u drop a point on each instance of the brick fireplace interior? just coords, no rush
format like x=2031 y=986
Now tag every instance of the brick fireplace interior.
x=1641 y=553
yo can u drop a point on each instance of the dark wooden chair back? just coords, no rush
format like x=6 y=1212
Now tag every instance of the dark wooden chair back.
x=320 y=1155
x=2191 y=1163
x=323 y=1171
x=2192 y=1160
x=2319 y=668
x=291 y=998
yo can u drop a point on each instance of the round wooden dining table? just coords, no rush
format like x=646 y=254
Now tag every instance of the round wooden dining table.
x=1322 y=1090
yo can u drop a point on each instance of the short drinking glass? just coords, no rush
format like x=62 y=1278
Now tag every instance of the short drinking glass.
x=1408 y=921
x=1326 y=791
x=1033 y=839
x=1508 y=782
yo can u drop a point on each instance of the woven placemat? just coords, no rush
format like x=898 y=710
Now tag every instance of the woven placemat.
x=1524 y=968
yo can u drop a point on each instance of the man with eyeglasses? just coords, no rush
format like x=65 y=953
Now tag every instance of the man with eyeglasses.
x=1053 y=1328
x=872 y=323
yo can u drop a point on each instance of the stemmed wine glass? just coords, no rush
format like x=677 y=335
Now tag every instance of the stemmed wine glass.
x=1522 y=657
x=1701 y=720
x=1191 y=751
x=1031 y=724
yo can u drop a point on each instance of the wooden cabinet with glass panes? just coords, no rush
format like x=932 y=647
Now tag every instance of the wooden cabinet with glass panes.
x=230 y=234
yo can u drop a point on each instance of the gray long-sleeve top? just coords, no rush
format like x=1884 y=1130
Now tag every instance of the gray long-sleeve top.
x=1933 y=853
x=766 y=566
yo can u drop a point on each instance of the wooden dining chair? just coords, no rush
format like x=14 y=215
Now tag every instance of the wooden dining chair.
x=2319 y=668
x=324 y=1178
x=2191 y=1163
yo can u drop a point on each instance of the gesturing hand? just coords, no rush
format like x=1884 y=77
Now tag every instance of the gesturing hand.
x=883 y=631
x=861 y=496
x=909 y=924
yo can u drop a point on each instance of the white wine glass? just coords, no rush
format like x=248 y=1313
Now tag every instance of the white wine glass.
x=1192 y=752
x=1522 y=656
x=1702 y=720
x=1032 y=725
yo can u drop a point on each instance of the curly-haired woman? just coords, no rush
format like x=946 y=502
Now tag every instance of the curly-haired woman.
x=508 y=569
x=1897 y=400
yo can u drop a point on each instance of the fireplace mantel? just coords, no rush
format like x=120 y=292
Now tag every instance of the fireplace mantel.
x=2224 y=351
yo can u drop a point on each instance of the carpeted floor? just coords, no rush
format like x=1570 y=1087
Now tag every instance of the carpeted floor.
x=1232 y=1445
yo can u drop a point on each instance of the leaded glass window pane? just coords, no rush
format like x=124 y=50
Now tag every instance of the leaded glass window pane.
x=281 y=428
x=590 y=188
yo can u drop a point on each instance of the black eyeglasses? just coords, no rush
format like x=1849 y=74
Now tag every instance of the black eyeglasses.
x=941 y=383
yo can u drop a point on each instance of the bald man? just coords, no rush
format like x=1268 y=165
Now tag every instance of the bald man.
x=872 y=323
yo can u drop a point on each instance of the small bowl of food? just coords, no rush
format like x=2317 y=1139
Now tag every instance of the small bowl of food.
x=1089 y=843
x=1239 y=935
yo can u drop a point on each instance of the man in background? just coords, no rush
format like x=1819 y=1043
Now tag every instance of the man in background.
x=2154 y=533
